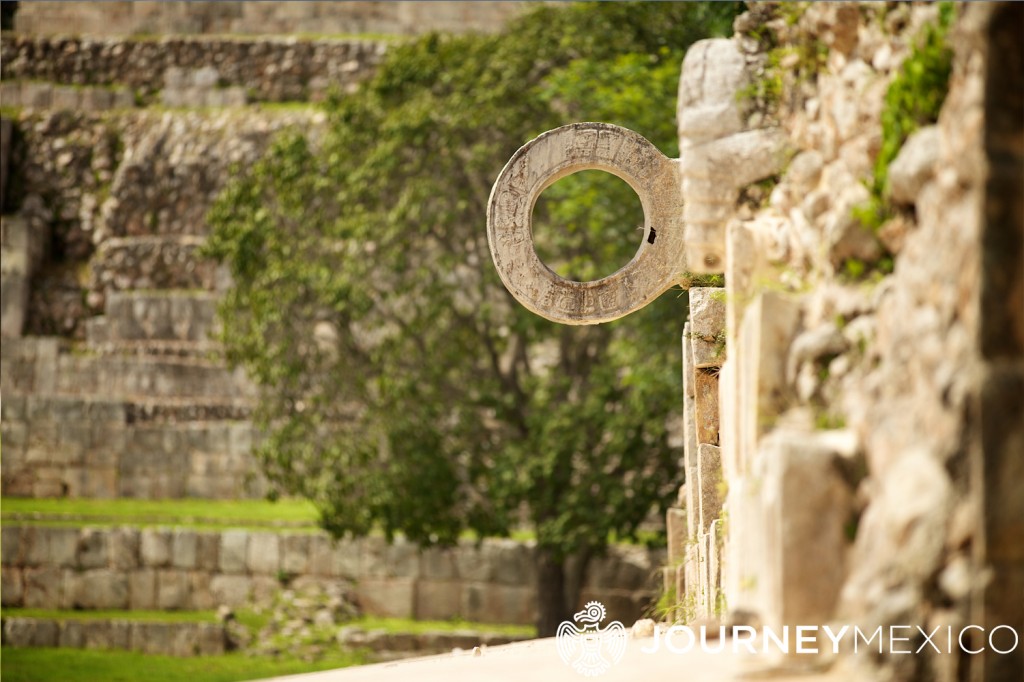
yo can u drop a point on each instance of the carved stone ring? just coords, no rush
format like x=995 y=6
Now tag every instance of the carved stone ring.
x=657 y=264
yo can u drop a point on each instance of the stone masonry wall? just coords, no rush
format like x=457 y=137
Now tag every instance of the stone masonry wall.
x=836 y=467
x=188 y=71
x=261 y=18
x=157 y=568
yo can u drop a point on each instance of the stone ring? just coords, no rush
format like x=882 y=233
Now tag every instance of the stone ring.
x=541 y=162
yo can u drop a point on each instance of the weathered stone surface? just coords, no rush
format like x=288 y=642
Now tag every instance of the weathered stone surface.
x=709 y=481
x=678 y=533
x=393 y=597
x=560 y=152
x=142 y=592
x=183 y=549
x=12 y=589
x=438 y=599
x=706 y=413
x=713 y=72
x=172 y=589
x=707 y=326
x=690 y=432
x=264 y=555
x=155 y=547
x=914 y=165
x=232 y=590
x=234 y=546
x=807 y=506
x=481 y=602
x=44 y=587
x=295 y=554
x=92 y=548
x=96 y=589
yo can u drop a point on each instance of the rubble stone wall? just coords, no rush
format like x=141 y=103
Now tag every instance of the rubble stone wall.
x=233 y=17
x=189 y=71
x=158 y=568
x=839 y=463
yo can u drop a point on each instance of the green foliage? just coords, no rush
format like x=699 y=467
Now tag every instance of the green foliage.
x=401 y=387
x=913 y=100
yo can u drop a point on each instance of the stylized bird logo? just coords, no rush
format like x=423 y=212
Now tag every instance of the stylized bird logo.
x=590 y=650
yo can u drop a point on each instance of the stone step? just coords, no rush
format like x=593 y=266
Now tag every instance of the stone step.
x=76 y=447
x=165 y=316
x=152 y=262
x=210 y=350
x=139 y=379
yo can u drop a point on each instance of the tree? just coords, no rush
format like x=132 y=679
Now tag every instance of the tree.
x=401 y=388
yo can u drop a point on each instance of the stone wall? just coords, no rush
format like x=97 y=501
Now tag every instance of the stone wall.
x=262 y=18
x=183 y=71
x=166 y=639
x=840 y=416
x=157 y=568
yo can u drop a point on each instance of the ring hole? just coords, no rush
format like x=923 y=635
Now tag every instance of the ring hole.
x=588 y=225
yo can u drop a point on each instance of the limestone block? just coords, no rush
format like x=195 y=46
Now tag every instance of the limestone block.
x=707 y=326
x=31 y=632
x=768 y=327
x=199 y=595
x=263 y=588
x=142 y=589
x=691 y=577
x=184 y=544
x=709 y=480
x=690 y=433
x=915 y=164
x=678 y=533
x=207 y=551
x=705 y=403
x=471 y=564
x=701 y=605
x=264 y=554
x=155 y=547
x=211 y=639
x=51 y=546
x=713 y=72
x=43 y=587
x=11 y=545
x=92 y=548
x=172 y=589
x=12 y=589
x=743 y=563
x=714 y=566
x=65 y=97
x=806 y=507
x=438 y=599
x=295 y=553
x=512 y=561
x=231 y=590
x=97 y=589
x=346 y=559
x=234 y=546
x=438 y=563
x=71 y=635
x=320 y=555
x=388 y=597
x=500 y=603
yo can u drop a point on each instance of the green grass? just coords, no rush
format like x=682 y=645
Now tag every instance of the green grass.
x=145 y=616
x=283 y=514
x=83 y=665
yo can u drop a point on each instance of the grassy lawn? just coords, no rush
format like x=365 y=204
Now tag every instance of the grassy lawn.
x=83 y=665
x=145 y=616
x=286 y=514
